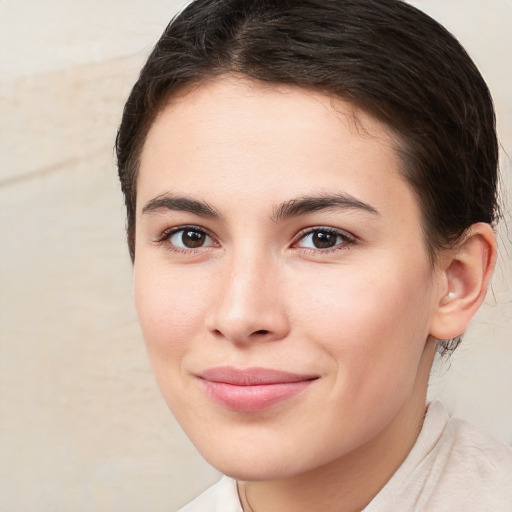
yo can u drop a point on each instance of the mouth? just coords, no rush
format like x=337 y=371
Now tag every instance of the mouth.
x=252 y=389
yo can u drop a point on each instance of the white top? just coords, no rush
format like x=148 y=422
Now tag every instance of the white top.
x=453 y=467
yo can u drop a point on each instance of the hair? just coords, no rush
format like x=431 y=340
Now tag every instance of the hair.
x=384 y=56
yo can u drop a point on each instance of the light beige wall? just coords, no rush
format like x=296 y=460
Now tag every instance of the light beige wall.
x=82 y=424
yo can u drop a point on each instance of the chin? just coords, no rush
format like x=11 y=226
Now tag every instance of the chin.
x=275 y=457
x=256 y=469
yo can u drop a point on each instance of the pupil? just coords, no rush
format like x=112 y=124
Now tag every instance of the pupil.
x=193 y=239
x=323 y=240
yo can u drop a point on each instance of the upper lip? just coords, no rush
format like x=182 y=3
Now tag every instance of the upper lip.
x=252 y=376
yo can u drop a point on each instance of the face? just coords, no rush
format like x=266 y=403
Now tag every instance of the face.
x=281 y=278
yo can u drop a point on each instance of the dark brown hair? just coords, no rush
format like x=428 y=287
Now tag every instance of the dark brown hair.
x=384 y=56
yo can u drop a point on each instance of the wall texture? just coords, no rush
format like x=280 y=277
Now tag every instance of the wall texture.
x=82 y=425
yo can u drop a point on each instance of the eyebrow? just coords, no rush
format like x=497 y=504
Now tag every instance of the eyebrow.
x=309 y=204
x=292 y=208
x=183 y=204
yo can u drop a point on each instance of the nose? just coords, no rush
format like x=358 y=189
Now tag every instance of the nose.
x=248 y=305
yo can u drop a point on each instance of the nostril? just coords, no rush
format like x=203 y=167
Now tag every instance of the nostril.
x=260 y=332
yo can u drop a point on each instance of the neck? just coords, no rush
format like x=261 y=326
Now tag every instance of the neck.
x=349 y=483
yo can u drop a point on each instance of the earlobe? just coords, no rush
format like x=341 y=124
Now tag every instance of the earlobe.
x=465 y=276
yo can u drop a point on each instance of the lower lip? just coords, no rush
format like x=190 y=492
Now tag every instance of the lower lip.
x=252 y=398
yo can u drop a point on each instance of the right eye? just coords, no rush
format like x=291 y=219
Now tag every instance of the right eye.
x=188 y=238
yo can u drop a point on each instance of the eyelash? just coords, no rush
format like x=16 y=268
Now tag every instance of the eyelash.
x=347 y=240
x=165 y=238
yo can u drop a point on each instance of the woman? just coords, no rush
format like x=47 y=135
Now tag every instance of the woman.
x=311 y=194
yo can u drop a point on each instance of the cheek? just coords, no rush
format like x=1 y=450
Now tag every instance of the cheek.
x=170 y=309
x=372 y=325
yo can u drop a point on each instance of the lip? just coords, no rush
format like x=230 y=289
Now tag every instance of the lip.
x=251 y=389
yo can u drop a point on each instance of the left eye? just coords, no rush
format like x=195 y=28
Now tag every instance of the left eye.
x=190 y=238
x=323 y=238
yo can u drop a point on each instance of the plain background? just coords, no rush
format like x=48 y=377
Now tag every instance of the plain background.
x=82 y=424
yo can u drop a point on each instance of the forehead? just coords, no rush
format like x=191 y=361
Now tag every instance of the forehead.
x=227 y=103
x=267 y=141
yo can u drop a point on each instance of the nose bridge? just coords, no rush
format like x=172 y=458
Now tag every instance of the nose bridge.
x=248 y=306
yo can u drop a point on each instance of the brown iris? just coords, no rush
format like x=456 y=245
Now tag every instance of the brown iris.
x=193 y=239
x=324 y=239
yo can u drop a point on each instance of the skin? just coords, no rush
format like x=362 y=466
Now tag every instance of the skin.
x=360 y=316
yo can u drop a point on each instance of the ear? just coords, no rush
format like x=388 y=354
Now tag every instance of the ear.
x=465 y=273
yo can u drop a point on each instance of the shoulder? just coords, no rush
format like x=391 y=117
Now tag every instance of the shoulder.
x=467 y=449
x=471 y=466
x=220 y=497
x=454 y=467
